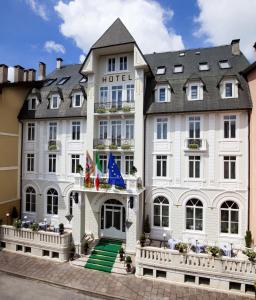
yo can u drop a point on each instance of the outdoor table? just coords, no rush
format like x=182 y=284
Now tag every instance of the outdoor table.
x=172 y=243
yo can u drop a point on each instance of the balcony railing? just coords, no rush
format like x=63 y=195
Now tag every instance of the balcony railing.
x=195 y=144
x=113 y=144
x=54 y=145
x=113 y=107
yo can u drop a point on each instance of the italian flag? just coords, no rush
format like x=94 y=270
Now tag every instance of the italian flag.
x=98 y=171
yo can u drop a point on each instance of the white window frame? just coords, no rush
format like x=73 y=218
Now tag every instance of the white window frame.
x=115 y=64
x=123 y=63
x=230 y=161
x=130 y=92
x=167 y=93
x=129 y=163
x=52 y=161
x=162 y=123
x=194 y=160
x=200 y=91
x=103 y=157
x=161 y=212
x=30 y=103
x=75 y=158
x=50 y=135
x=104 y=91
x=52 y=99
x=161 y=158
x=52 y=196
x=129 y=129
x=103 y=129
x=229 y=119
x=234 y=83
x=74 y=99
x=30 y=162
x=76 y=130
x=229 y=219
x=30 y=194
x=194 y=207
x=31 y=132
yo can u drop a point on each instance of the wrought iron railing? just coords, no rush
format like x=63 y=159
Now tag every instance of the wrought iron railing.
x=112 y=107
x=113 y=144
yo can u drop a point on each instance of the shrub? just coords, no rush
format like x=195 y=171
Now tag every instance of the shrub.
x=17 y=224
x=126 y=147
x=100 y=146
x=193 y=146
x=248 y=239
x=181 y=247
x=128 y=260
x=214 y=251
x=113 y=109
x=79 y=168
x=113 y=147
x=250 y=254
x=101 y=110
x=126 y=109
x=133 y=170
x=105 y=185
x=34 y=227
x=52 y=147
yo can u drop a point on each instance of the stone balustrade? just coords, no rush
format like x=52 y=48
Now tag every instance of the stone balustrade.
x=38 y=243
x=174 y=266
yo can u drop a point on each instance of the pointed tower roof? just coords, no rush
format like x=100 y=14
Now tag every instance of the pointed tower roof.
x=116 y=34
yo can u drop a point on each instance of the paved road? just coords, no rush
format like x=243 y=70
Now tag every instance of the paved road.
x=12 y=288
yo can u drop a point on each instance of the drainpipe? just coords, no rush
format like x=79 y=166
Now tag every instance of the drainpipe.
x=249 y=169
x=21 y=160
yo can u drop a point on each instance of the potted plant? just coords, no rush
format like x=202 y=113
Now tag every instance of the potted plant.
x=100 y=146
x=121 y=254
x=193 y=146
x=113 y=109
x=126 y=109
x=133 y=170
x=79 y=168
x=100 y=110
x=105 y=186
x=214 y=251
x=113 y=147
x=17 y=224
x=61 y=228
x=128 y=261
x=142 y=240
x=147 y=227
x=126 y=146
x=248 y=239
x=181 y=247
x=250 y=254
x=34 y=227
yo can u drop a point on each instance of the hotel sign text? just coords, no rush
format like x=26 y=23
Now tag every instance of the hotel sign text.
x=117 y=78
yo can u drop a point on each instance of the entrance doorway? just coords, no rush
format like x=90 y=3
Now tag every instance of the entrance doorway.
x=113 y=219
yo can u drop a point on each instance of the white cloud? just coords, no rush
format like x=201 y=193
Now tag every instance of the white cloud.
x=38 y=8
x=81 y=58
x=85 y=21
x=11 y=74
x=224 y=20
x=51 y=46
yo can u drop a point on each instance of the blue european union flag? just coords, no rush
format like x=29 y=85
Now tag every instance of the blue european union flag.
x=114 y=175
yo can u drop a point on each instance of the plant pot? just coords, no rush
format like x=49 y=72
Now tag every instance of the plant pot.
x=128 y=268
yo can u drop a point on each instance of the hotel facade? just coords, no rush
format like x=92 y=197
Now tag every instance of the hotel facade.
x=181 y=118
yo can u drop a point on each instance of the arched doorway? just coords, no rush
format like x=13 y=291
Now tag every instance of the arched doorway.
x=113 y=219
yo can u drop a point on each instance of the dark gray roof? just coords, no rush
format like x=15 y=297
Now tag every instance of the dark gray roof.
x=65 y=91
x=116 y=34
x=190 y=61
x=249 y=69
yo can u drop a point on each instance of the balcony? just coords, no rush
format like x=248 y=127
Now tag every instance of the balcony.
x=39 y=243
x=54 y=146
x=114 y=107
x=113 y=144
x=191 y=268
x=195 y=145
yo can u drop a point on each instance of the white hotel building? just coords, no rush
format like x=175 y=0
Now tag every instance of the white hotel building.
x=181 y=118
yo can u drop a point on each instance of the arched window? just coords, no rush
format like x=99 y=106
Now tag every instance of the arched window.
x=30 y=199
x=161 y=212
x=229 y=217
x=52 y=202
x=194 y=215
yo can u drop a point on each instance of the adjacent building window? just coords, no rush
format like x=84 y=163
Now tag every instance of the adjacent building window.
x=194 y=215
x=194 y=92
x=229 y=215
x=30 y=162
x=161 y=212
x=63 y=80
x=117 y=96
x=230 y=127
x=52 y=202
x=76 y=128
x=194 y=166
x=104 y=162
x=75 y=161
x=161 y=165
x=31 y=131
x=52 y=131
x=162 y=94
x=32 y=103
x=123 y=63
x=130 y=92
x=229 y=90
x=224 y=64
x=204 y=66
x=111 y=64
x=30 y=199
x=129 y=129
x=54 y=102
x=161 y=70
x=128 y=164
x=103 y=94
x=229 y=167
x=161 y=128
x=52 y=163
x=178 y=69
x=103 y=134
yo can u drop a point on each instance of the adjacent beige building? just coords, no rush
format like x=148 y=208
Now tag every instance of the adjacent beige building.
x=12 y=95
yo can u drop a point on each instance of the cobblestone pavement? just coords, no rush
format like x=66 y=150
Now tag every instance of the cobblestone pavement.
x=107 y=286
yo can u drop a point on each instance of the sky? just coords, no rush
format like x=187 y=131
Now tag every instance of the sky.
x=42 y=30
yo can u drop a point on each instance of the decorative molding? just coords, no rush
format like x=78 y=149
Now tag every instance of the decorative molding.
x=8 y=134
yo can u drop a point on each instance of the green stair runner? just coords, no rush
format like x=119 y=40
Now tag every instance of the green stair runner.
x=104 y=255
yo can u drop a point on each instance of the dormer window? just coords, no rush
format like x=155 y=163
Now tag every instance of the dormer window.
x=32 y=103
x=178 y=69
x=48 y=82
x=162 y=93
x=111 y=64
x=123 y=63
x=229 y=88
x=54 y=102
x=63 y=80
x=83 y=80
x=194 y=91
x=77 y=100
x=161 y=70
x=224 y=64
x=204 y=66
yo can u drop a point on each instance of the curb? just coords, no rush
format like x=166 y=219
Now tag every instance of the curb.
x=82 y=291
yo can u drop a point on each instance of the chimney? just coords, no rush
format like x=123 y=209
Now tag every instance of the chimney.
x=18 y=73
x=235 y=46
x=31 y=74
x=42 y=71
x=59 y=62
x=3 y=73
x=25 y=78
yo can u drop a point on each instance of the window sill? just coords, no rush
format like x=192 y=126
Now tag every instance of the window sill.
x=116 y=72
x=194 y=180
x=198 y=232
x=195 y=99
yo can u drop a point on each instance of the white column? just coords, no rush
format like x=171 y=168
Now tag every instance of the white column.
x=211 y=144
x=132 y=218
x=177 y=148
x=77 y=230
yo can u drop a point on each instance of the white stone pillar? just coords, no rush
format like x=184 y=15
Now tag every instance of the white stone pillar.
x=132 y=218
x=77 y=228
